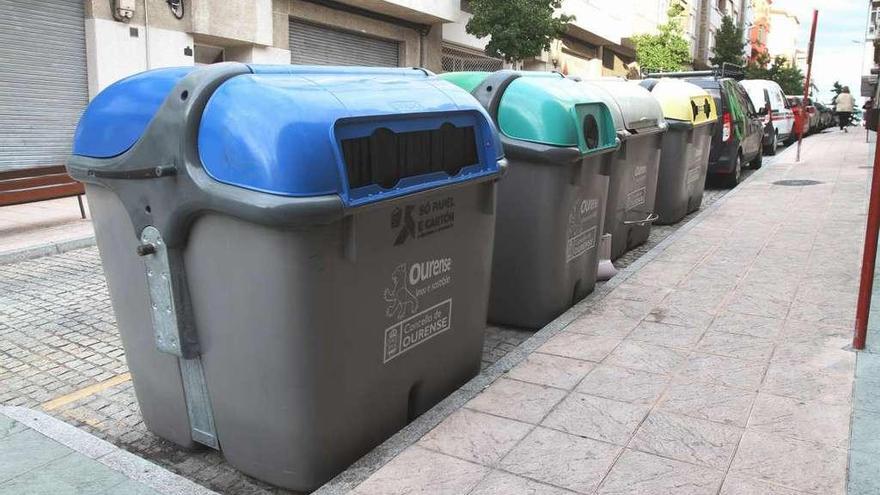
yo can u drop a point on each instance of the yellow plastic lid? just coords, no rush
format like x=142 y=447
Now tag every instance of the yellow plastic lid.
x=685 y=102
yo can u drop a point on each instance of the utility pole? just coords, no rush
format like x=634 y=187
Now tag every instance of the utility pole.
x=806 y=118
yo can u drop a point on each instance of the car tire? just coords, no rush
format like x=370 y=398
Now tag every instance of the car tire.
x=757 y=161
x=771 y=150
x=731 y=180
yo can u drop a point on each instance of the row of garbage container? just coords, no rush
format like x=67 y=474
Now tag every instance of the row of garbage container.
x=302 y=259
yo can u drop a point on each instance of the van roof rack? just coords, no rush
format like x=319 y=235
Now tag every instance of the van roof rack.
x=732 y=71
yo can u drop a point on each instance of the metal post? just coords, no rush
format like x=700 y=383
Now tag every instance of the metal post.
x=869 y=256
x=807 y=81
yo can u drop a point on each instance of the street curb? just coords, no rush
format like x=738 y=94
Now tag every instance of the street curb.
x=361 y=469
x=115 y=458
x=46 y=249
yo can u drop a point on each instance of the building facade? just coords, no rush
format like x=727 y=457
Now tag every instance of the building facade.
x=783 y=38
x=871 y=53
x=64 y=52
x=759 y=30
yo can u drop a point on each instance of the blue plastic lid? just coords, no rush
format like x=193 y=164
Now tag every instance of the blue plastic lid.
x=362 y=133
x=118 y=116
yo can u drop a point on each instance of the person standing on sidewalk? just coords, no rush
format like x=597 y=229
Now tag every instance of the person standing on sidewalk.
x=844 y=107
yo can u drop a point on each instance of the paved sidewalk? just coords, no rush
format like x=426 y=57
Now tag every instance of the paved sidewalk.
x=41 y=455
x=46 y=227
x=718 y=364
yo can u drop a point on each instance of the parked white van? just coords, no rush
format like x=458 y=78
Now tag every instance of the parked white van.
x=779 y=121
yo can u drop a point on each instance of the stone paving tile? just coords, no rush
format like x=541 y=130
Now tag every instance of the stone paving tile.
x=580 y=346
x=517 y=400
x=720 y=370
x=474 y=436
x=815 y=358
x=755 y=304
x=674 y=336
x=597 y=418
x=863 y=478
x=756 y=326
x=687 y=439
x=601 y=325
x=866 y=432
x=710 y=402
x=808 y=385
x=804 y=466
x=420 y=471
x=646 y=357
x=638 y=473
x=801 y=332
x=665 y=274
x=564 y=460
x=867 y=394
x=550 y=370
x=736 y=346
x=34 y=449
x=623 y=384
x=70 y=474
x=501 y=483
x=741 y=485
x=811 y=421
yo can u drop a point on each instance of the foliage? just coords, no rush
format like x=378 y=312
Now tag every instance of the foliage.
x=790 y=79
x=729 y=43
x=519 y=29
x=668 y=49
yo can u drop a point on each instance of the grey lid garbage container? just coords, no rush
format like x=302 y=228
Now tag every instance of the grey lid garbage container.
x=632 y=188
x=691 y=115
x=298 y=257
x=558 y=140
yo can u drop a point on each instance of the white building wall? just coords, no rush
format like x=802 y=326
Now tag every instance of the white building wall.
x=455 y=32
x=783 y=37
x=113 y=53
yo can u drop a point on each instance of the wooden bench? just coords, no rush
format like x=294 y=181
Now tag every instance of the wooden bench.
x=39 y=184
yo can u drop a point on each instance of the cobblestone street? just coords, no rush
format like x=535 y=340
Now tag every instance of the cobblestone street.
x=62 y=354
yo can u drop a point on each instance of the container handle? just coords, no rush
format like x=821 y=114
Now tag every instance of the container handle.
x=651 y=218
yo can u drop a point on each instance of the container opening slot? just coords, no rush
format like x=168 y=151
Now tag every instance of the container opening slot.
x=384 y=157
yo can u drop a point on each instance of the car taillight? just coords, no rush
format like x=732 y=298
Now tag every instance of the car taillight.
x=727 y=127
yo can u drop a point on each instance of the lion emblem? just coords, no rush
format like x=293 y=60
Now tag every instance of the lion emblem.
x=401 y=300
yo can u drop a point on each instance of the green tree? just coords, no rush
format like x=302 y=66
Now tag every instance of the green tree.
x=519 y=29
x=789 y=78
x=729 y=43
x=668 y=49
x=836 y=89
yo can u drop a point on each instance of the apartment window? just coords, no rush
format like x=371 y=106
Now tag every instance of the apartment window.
x=465 y=6
x=207 y=54
x=608 y=59
x=875 y=18
x=722 y=5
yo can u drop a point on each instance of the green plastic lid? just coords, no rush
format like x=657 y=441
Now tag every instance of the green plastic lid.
x=550 y=109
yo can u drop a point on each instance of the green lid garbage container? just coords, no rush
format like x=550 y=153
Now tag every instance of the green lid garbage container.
x=691 y=115
x=298 y=257
x=632 y=189
x=559 y=141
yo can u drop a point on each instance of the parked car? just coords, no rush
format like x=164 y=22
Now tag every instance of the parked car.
x=739 y=137
x=769 y=99
x=826 y=116
x=812 y=113
x=801 y=123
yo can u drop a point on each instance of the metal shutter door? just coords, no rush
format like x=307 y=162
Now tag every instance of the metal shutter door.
x=311 y=44
x=43 y=81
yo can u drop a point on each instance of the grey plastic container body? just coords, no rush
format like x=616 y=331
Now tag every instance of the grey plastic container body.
x=684 y=163
x=632 y=192
x=315 y=330
x=295 y=329
x=551 y=209
x=632 y=186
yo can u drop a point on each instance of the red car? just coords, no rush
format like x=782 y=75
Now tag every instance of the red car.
x=801 y=122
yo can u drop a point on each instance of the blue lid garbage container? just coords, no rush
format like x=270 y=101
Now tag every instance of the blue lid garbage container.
x=298 y=257
x=691 y=115
x=632 y=188
x=558 y=139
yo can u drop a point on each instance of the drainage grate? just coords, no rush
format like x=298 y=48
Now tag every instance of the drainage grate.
x=796 y=182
